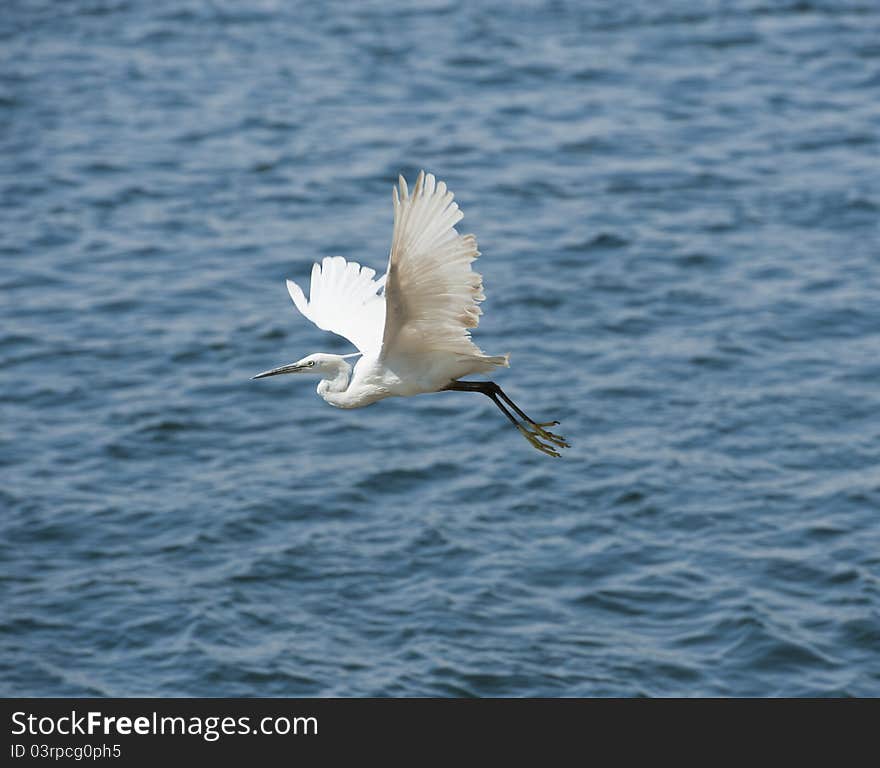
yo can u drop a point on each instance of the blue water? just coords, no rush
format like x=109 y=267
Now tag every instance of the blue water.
x=678 y=206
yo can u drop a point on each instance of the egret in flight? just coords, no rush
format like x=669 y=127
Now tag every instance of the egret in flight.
x=412 y=324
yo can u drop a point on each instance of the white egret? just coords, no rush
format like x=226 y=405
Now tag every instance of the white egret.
x=411 y=325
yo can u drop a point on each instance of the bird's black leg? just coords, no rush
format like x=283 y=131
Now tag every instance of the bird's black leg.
x=536 y=426
x=532 y=430
x=516 y=408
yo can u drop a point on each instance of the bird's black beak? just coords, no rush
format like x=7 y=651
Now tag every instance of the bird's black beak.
x=290 y=368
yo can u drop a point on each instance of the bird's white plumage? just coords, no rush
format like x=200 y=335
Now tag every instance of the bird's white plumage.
x=432 y=294
x=415 y=336
x=344 y=299
x=431 y=298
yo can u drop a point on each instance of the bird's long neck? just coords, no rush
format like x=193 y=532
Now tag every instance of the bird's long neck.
x=329 y=388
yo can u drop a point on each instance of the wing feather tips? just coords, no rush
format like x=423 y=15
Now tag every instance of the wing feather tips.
x=315 y=284
x=299 y=298
x=345 y=300
x=432 y=292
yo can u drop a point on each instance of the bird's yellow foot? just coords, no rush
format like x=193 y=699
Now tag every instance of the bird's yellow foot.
x=548 y=435
x=533 y=436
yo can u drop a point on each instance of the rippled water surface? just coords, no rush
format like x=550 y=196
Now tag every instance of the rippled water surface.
x=677 y=205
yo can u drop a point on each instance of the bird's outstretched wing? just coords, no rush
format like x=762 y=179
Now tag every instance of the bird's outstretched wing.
x=431 y=292
x=344 y=299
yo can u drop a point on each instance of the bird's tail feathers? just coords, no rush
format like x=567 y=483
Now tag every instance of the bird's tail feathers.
x=502 y=361
x=488 y=362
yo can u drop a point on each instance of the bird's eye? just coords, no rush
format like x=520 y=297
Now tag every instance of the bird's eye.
x=311 y=363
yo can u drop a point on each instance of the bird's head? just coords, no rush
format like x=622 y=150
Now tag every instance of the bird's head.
x=321 y=363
